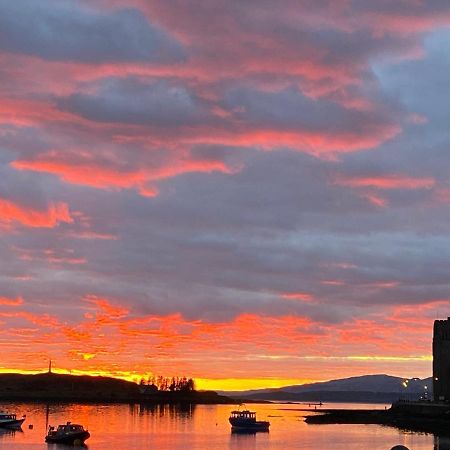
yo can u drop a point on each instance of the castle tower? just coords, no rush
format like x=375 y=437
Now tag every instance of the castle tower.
x=441 y=360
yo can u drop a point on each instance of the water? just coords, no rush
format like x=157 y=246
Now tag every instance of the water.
x=202 y=427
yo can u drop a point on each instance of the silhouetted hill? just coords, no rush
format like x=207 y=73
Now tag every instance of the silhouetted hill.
x=367 y=388
x=57 y=387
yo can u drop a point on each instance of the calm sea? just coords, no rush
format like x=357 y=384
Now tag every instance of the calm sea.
x=124 y=427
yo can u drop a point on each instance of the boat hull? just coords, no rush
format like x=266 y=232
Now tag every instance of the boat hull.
x=69 y=438
x=249 y=427
x=12 y=424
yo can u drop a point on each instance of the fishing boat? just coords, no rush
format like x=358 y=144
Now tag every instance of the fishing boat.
x=246 y=421
x=8 y=420
x=69 y=433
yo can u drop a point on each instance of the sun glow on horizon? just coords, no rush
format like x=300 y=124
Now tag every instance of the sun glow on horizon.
x=234 y=384
x=221 y=384
x=404 y=366
x=243 y=384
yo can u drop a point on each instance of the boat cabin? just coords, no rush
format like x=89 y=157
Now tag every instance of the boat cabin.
x=243 y=415
x=7 y=416
x=67 y=428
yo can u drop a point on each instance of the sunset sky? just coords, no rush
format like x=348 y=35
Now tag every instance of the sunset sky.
x=251 y=193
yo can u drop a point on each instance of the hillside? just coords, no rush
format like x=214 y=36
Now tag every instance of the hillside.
x=56 y=387
x=367 y=388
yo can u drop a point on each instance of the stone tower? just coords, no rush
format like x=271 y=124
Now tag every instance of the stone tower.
x=441 y=360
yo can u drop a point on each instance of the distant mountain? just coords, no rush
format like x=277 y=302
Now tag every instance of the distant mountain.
x=367 y=388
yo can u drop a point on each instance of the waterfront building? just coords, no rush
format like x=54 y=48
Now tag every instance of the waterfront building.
x=441 y=360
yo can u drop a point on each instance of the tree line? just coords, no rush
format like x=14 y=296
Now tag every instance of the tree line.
x=173 y=384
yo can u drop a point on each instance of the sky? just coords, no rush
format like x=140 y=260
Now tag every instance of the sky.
x=250 y=193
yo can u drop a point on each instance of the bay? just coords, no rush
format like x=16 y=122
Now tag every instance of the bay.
x=121 y=426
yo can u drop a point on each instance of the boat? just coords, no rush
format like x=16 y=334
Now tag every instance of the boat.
x=69 y=433
x=8 y=420
x=246 y=421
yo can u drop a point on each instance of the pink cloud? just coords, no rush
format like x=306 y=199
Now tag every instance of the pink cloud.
x=375 y=200
x=393 y=181
x=89 y=172
x=56 y=213
x=301 y=296
x=11 y=301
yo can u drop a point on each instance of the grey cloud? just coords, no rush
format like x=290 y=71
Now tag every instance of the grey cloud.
x=219 y=245
x=289 y=108
x=68 y=30
x=420 y=84
x=216 y=245
x=415 y=9
x=130 y=100
x=156 y=102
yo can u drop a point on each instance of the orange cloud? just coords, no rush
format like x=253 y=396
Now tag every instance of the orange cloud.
x=87 y=174
x=302 y=296
x=24 y=112
x=11 y=301
x=43 y=320
x=418 y=316
x=108 y=309
x=388 y=182
x=10 y=212
x=320 y=143
x=91 y=173
x=52 y=256
x=111 y=336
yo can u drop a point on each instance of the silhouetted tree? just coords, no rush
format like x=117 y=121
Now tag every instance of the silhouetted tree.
x=174 y=384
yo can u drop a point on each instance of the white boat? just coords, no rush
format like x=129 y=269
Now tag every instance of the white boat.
x=8 y=420
x=246 y=421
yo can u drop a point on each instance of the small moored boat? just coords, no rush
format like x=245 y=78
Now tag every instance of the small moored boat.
x=8 y=420
x=69 y=433
x=246 y=421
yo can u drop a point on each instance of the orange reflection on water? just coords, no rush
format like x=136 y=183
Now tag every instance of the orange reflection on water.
x=164 y=427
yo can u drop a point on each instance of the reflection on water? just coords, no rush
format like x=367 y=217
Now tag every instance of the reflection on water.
x=168 y=427
x=171 y=411
x=64 y=447
x=4 y=432
x=249 y=431
x=243 y=440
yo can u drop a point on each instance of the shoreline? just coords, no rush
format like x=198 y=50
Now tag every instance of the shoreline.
x=160 y=398
x=57 y=388
x=400 y=418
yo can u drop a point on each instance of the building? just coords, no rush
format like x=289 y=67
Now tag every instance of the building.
x=441 y=360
